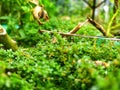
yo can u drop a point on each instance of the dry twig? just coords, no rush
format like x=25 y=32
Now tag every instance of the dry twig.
x=75 y=29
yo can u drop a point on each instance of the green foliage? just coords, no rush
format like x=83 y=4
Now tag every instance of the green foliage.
x=66 y=64
x=51 y=62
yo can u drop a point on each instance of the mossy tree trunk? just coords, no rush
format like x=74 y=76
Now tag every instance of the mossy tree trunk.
x=6 y=40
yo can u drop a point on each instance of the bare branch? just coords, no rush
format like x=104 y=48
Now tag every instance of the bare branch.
x=98 y=26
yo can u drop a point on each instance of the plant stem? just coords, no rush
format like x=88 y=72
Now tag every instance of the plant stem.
x=111 y=22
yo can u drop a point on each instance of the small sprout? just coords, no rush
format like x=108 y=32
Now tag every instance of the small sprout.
x=79 y=61
x=9 y=73
x=77 y=80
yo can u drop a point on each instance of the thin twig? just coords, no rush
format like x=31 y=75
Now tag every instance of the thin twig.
x=88 y=3
x=100 y=3
x=78 y=35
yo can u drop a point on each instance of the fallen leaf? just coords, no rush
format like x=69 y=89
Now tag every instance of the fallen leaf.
x=54 y=40
x=101 y=63
x=39 y=12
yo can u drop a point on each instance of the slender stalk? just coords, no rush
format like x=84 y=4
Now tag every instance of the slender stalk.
x=115 y=8
x=111 y=22
x=116 y=26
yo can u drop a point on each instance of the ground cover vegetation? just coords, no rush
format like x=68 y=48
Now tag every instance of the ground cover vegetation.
x=45 y=61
